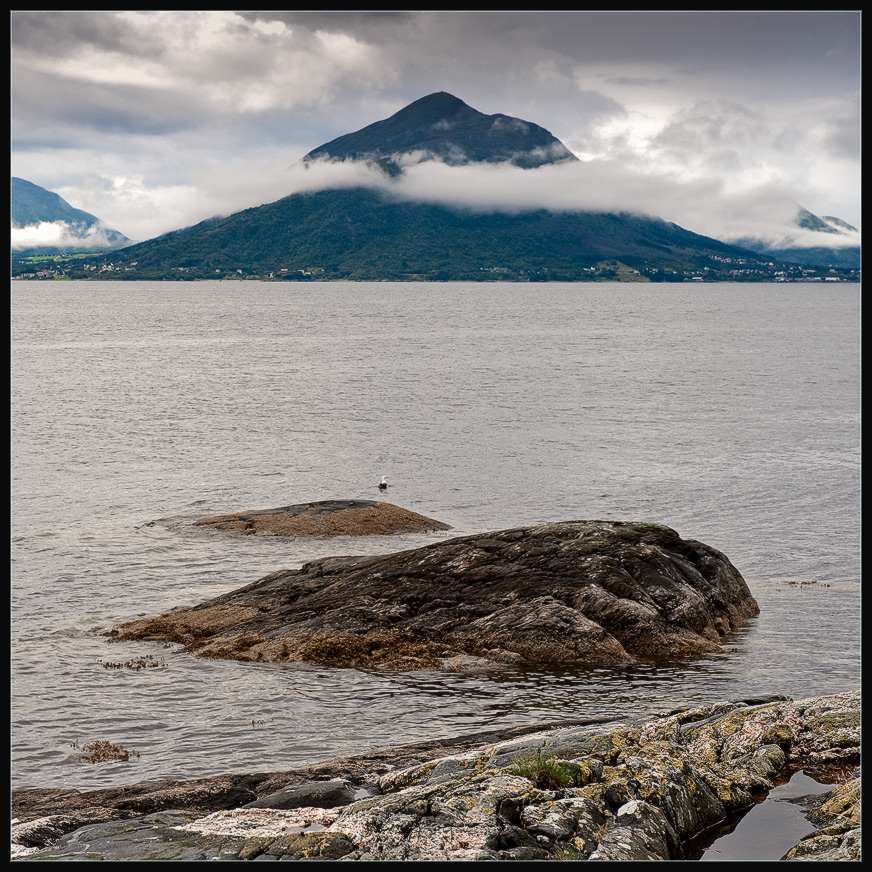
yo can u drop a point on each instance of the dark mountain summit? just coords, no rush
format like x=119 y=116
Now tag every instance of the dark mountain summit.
x=441 y=127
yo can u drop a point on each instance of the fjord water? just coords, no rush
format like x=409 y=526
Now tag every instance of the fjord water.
x=730 y=412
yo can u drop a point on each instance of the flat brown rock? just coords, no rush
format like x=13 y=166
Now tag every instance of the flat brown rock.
x=325 y=518
x=574 y=593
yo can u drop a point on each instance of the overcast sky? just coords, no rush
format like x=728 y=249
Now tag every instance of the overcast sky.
x=718 y=121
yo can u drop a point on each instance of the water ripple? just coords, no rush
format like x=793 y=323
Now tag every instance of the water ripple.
x=136 y=413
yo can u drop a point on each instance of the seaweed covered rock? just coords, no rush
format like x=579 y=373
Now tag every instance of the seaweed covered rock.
x=324 y=518
x=578 y=592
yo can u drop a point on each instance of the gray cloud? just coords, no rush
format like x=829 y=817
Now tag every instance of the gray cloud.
x=191 y=109
x=719 y=134
x=63 y=33
x=843 y=136
x=374 y=24
x=641 y=81
x=98 y=110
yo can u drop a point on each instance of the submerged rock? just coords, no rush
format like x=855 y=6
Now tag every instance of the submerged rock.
x=621 y=791
x=325 y=518
x=572 y=593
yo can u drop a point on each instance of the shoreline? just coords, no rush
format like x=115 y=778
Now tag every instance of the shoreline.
x=635 y=790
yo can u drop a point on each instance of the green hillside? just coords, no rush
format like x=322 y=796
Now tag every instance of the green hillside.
x=362 y=234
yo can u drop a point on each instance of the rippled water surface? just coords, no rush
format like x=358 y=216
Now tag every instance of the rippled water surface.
x=728 y=412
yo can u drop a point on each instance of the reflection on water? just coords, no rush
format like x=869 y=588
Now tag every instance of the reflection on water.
x=767 y=830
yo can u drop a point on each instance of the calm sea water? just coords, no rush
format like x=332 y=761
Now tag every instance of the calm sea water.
x=728 y=412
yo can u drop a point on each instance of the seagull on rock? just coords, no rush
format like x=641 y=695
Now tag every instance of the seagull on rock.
x=383 y=484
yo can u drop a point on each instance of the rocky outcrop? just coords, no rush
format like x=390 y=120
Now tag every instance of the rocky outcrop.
x=621 y=791
x=579 y=592
x=198 y=797
x=325 y=518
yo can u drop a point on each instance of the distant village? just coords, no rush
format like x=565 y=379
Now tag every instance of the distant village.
x=725 y=269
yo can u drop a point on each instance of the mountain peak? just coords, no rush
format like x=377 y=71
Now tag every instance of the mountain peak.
x=809 y=221
x=837 y=222
x=811 y=240
x=442 y=127
x=439 y=99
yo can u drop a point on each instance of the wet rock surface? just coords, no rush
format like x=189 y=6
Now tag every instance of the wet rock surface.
x=620 y=791
x=324 y=518
x=572 y=593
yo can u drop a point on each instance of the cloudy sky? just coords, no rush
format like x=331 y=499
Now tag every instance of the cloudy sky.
x=719 y=121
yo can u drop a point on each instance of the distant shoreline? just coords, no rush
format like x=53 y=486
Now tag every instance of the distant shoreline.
x=854 y=280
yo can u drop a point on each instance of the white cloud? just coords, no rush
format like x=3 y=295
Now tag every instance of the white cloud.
x=58 y=234
x=705 y=205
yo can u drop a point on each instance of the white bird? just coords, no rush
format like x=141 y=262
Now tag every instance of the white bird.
x=383 y=484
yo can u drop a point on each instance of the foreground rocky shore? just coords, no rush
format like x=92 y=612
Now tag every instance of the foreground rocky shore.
x=609 y=791
x=577 y=592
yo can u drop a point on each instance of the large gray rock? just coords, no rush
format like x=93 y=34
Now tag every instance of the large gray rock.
x=579 y=592
x=317 y=794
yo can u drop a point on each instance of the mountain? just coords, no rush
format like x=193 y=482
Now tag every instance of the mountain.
x=442 y=127
x=32 y=205
x=812 y=241
x=366 y=233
